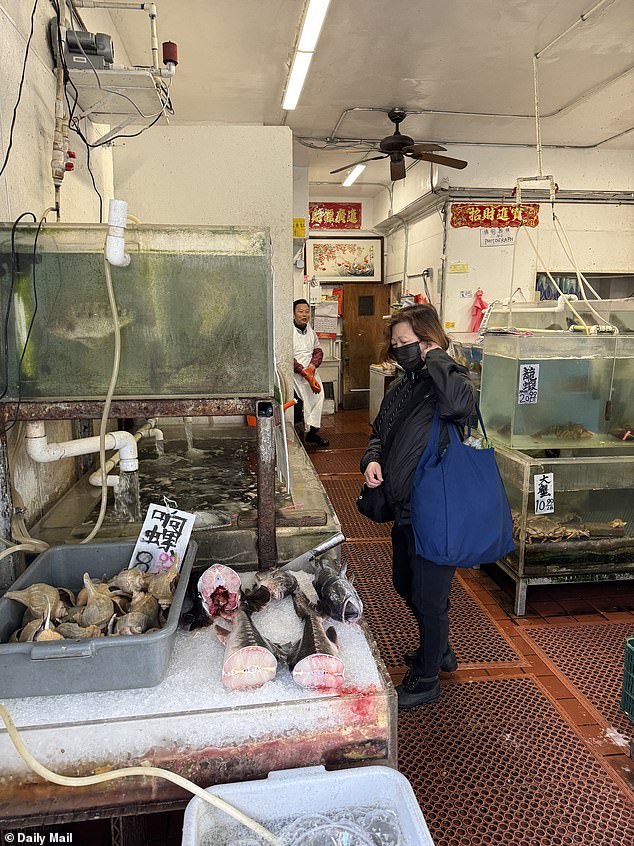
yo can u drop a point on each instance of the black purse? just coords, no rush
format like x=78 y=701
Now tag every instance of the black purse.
x=372 y=503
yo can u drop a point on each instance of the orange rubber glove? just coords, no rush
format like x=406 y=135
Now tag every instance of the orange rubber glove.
x=309 y=375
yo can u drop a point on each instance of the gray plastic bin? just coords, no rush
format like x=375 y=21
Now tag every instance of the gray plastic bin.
x=81 y=666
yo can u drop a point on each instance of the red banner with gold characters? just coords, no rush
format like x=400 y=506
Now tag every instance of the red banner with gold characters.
x=335 y=215
x=490 y=216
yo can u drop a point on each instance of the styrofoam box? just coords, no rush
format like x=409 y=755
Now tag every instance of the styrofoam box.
x=311 y=790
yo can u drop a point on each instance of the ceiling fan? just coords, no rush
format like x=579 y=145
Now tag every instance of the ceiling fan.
x=397 y=146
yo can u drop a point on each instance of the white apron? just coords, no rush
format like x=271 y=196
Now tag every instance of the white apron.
x=303 y=345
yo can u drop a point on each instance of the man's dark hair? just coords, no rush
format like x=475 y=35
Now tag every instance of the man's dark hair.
x=299 y=302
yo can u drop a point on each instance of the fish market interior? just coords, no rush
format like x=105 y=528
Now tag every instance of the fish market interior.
x=211 y=215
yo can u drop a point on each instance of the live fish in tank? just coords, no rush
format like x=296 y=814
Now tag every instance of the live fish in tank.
x=89 y=327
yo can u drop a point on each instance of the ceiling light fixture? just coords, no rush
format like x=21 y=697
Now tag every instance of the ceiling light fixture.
x=311 y=27
x=354 y=174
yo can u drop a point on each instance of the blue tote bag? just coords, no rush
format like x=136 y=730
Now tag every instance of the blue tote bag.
x=459 y=510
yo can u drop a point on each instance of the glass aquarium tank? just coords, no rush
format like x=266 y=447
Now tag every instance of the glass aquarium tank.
x=573 y=517
x=194 y=306
x=558 y=390
x=556 y=315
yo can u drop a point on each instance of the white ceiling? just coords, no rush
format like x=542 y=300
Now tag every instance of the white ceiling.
x=471 y=56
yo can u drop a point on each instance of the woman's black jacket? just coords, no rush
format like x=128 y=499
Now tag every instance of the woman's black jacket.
x=408 y=408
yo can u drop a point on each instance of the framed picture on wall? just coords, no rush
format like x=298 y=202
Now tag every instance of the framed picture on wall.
x=345 y=259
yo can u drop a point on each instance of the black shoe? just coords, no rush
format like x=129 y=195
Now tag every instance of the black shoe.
x=317 y=440
x=416 y=690
x=449 y=663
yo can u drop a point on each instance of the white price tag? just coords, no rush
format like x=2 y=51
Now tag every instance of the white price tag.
x=544 y=493
x=528 y=384
x=163 y=539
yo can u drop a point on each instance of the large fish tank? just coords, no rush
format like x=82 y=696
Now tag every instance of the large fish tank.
x=195 y=313
x=558 y=390
x=555 y=315
x=589 y=534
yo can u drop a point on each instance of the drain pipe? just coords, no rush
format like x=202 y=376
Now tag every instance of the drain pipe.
x=39 y=449
x=148 y=430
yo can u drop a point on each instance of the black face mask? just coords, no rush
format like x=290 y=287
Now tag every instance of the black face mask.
x=408 y=356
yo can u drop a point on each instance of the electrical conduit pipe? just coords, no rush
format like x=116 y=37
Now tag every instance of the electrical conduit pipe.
x=39 y=449
x=148 y=430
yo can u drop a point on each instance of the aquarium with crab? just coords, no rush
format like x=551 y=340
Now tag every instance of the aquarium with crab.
x=573 y=515
x=558 y=390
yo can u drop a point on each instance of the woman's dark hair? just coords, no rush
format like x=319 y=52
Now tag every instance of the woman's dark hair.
x=425 y=324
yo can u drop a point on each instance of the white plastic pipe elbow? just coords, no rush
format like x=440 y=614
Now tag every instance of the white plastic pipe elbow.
x=115 y=242
x=39 y=449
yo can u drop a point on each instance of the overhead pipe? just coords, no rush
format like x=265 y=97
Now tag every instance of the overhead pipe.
x=148 y=430
x=40 y=450
x=150 y=8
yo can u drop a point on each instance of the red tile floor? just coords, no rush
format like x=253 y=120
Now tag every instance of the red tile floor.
x=527 y=746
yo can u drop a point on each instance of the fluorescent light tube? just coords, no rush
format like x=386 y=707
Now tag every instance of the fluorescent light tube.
x=312 y=25
x=296 y=78
x=354 y=174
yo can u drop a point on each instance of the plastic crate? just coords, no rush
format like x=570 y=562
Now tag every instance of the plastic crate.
x=287 y=794
x=627 y=696
x=83 y=666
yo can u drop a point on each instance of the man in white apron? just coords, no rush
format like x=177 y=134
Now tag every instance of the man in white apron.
x=307 y=356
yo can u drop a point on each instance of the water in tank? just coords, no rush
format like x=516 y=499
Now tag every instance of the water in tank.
x=558 y=391
x=194 y=304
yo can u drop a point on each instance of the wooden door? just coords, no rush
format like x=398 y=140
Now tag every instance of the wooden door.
x=364 y=305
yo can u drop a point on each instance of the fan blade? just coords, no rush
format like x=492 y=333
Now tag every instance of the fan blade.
x=423 y=148
x=397 y=169
x=441 y=160
x=361 y=161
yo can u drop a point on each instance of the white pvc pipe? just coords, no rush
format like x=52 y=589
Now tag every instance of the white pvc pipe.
x=39 y=449
x=148 y=430
x=115 y=242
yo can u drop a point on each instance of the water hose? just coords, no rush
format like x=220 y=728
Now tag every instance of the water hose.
x=157 y=772
x=106 y=407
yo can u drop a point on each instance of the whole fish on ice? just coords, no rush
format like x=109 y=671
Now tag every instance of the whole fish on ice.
x=337 y=597
x=249 y=658
x=314 y=660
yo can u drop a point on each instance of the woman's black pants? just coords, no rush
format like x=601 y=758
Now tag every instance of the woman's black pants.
x=425 y=587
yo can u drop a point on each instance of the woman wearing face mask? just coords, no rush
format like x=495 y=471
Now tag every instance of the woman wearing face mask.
x=415 y=340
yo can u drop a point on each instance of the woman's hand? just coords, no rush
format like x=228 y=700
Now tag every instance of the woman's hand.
x=429 y=347
x=373 y=475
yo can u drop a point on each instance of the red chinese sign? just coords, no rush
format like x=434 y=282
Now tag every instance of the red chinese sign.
x=491 y=216
x=335 y=215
